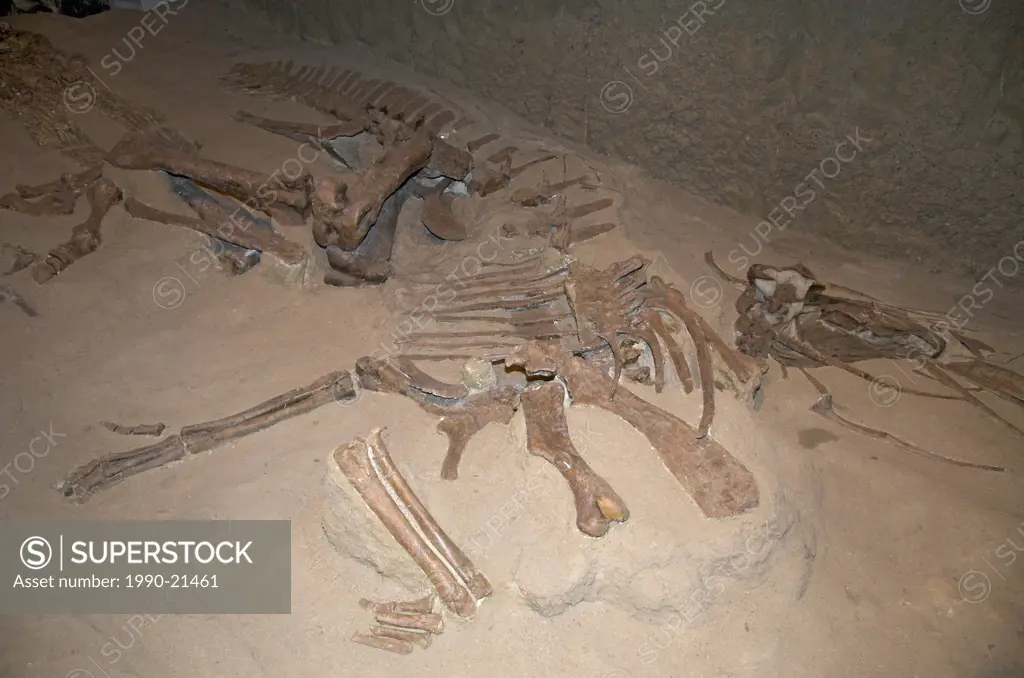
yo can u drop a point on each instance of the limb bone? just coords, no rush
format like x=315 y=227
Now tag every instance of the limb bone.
x=547 y=436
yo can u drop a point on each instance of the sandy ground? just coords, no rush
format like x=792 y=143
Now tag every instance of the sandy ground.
x=889 y=535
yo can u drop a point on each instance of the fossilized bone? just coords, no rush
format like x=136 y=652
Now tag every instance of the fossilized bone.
x=85 y=237
x=436 y=215
x=110 y=469
x=547 y=436
x=370 y=261
x=214 y=209
x=369 y=467
x=344 y=212
x=449 y=161
x=462 y=416
x=136 y=430
x=786 y=313
x=262 y=192
x=264 y=240
x=719 y=483
x=824 y=407
x=302 y=131
x=14 y=258
x=396 y=645
x=55 y=197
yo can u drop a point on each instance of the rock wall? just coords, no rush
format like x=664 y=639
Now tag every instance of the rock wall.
x=892 y=127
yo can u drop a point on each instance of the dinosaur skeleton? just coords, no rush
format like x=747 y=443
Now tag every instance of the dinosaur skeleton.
x=786 y=313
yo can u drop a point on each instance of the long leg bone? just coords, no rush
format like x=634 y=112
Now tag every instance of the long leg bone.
x=547 y=436
x=85 y=237
x=259 y=191
x=368 y=466
x=718 y=482
x=264 y=240
x=110 y=469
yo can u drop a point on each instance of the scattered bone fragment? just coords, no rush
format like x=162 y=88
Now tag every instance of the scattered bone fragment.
x=51 y=204
x=824 y=407
x=381 y=643
x=368 y=466
x=487 y=181
x=70 y=182
x=420 y=638
x=420 y=605
x=110 y=469
x=85 y=237
x=547 y=436
x=719 y=483
x=428 y=622
x=14 y=258
x=449 y=161
x=136 y=430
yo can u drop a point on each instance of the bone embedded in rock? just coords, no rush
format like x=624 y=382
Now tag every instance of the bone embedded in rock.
x=428 y=622
x=390 y=644
x=367 y=195
x=85 y=237
x=368 y=467
x=423 y=639
x=547 y=434
x=720 y=484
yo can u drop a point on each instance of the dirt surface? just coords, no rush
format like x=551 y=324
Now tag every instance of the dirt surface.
x=870 y=581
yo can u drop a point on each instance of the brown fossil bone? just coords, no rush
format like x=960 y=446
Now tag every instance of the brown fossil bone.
x=75 y=183
x=112 y=468
x=438 y=218
x=547 y=436
x=259 y=191
x=55 y=197
x=302 y=131
x=718 y=482
x=486 y=180
x=824 y=407
x=420 y=638
x=993 y=378
x=14 y=258
x=462 y=417
x=369 y=467
x=396 y=645
x=428 y=622
x=51 y=204
x=449 y=161
x=344 y=214
x=370 y=261
x=420 y=605
x=85 y=237
x=264 y=240
x=136 y=430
